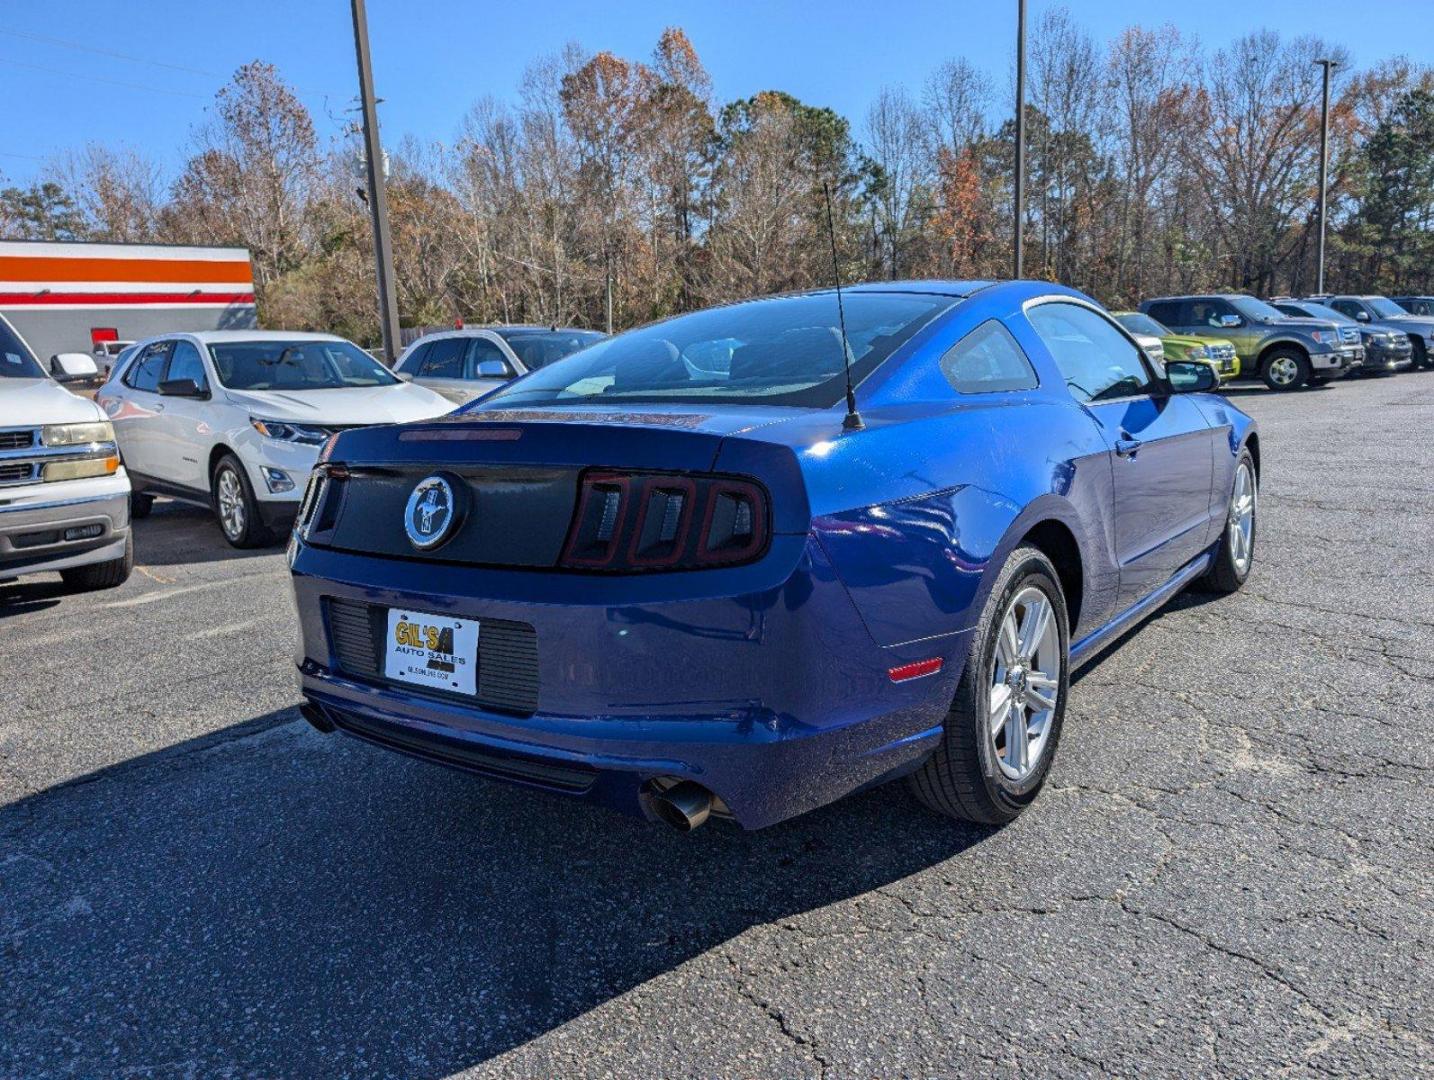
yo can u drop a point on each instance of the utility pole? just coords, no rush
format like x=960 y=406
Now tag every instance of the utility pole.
x=1323 y=171
x=1020 y=214
x=377 y=197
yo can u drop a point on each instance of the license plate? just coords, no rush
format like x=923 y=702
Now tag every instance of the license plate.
x=436 y=651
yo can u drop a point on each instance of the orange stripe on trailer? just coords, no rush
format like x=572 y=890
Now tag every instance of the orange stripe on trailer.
x=44 y=268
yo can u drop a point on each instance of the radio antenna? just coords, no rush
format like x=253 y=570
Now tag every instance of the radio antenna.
x=853 y=421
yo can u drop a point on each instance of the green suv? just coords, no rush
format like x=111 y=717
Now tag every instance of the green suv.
x=1285 y=353
x=1216 y=351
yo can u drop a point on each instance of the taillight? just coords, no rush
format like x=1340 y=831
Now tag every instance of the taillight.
x=628 y=522
x=319 y=509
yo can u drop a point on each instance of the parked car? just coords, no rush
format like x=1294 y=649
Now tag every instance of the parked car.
x=1285 y=353
x=1377 y=309
x=108 y=354
x=1387 y=346
x=64 y=496
x=1416 y=305
x=234 y=419
x=1218 y=352
x=466 y=364
x=689 y=588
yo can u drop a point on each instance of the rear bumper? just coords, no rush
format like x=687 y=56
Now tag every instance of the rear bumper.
x=773 y=697
x=34 y=522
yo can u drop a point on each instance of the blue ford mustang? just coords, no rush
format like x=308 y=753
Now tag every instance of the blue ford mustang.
x=674 y=574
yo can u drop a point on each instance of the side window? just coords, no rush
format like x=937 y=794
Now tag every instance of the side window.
x=482 y=350
x=444 y=359
x=185 y=363
x=1168 y=312
x=1346 y=307
x=148 y=368
x=414 y=363
x=1096 y=360
x=986 y=360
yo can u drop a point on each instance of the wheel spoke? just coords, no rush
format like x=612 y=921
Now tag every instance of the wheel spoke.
x=1033 y=627
x=1000 y=706
x=1041 y=702
x=1018 y=745
x=1006 y=645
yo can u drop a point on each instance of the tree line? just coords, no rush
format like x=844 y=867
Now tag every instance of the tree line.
x=611 y=185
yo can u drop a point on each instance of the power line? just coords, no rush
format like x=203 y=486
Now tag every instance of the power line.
x=147 y=61
x=86 y=76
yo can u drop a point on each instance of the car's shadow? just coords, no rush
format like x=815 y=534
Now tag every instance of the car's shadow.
x=176 y=533
x=292 y=904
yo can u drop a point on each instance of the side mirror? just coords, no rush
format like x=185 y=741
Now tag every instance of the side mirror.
x=492 y=369
x=1362 y=316
x=73 y=366
x=182 y=388
x=1190 y=376
x=1229 y=322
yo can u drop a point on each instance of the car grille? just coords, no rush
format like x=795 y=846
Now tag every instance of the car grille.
x=17 y=472
x=1224 y=357
x=17 y=440
x=507 y=655
x=1349 y=335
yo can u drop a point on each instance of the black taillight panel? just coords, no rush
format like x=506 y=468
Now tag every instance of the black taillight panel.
x=634 y=522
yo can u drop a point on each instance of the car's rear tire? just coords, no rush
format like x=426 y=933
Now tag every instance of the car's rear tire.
x=978 y=771
x=1285 y=369
x=140 y=504
x=103 y=575
x=1235 y=553
x=235 y=506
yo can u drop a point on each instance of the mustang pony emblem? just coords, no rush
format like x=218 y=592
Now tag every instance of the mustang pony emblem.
x=429 y=517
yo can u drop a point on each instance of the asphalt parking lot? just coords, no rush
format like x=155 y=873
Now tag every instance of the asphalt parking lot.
x=1231 y=872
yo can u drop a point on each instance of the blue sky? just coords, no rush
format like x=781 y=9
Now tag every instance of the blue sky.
x=433 y=59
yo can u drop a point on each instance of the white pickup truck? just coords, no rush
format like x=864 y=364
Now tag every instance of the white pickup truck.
x=64 y=496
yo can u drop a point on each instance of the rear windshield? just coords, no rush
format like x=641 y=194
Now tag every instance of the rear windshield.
x=16 y=360
x=539 y=348
x=780 y=351
x=296 y=365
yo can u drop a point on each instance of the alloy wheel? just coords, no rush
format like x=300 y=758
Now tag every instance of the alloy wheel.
x=1284 y=370
x=1242 y=517
x=1025 y=683
x=231 y=504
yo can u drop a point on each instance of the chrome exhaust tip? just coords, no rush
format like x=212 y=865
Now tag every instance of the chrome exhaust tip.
x=684 y=806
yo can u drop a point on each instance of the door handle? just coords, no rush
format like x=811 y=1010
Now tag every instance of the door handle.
x=1126 y=445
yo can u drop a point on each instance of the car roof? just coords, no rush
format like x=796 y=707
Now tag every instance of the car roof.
x=941 y=286
x=219 y=337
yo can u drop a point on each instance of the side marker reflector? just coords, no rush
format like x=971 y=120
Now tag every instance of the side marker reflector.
x=907 y=672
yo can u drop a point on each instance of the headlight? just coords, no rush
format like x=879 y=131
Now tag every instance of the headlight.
x=287 y=432
x=79 y=470
x=1326 y=337
x=99 y=431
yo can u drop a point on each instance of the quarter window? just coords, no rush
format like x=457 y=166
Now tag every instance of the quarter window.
x=1097 y=361
x=146 y=372
x=987 y=360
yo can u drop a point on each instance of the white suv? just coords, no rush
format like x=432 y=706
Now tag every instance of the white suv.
x=235 y=419
x=64 y=497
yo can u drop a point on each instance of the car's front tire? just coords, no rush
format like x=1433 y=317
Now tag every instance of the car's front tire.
x=1422 y=362
x=1005 y=721
x=1235 y=554
x=235 y=506
x=103 y=575
x=1285 y=369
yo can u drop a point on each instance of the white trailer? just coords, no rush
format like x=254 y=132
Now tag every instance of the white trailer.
x=73 y=297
